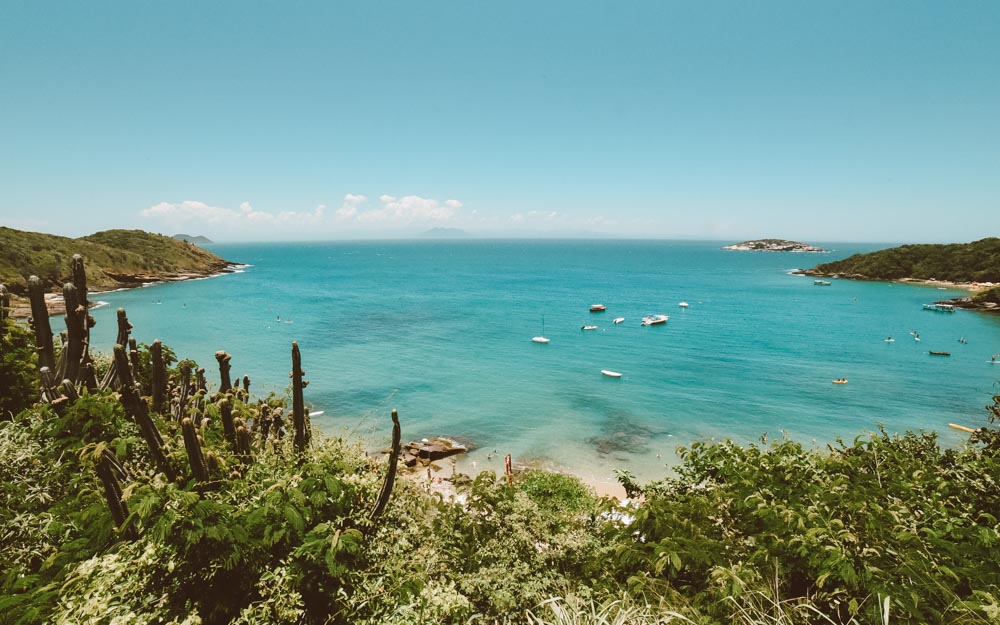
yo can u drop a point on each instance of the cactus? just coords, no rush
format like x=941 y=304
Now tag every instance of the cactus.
x=135 y=363
x=40 y=322
x=47 y=384
x=302 y=434
x=195 y=456
x=124 y=329
x=159 y=375
x=200 y=382
x=89 y=375
x=108 y=471
x=243 y=448
x=246 y=389
x=184 y=388
x=224 y=367
x=76 y=333
x=390 y=476
x=80 y=282
x=139 y=411
x=226 y=410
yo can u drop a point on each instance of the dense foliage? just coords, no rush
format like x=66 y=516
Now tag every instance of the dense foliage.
x=17 y=368
x=978 y=261
x=111 y=255
x=886 y=516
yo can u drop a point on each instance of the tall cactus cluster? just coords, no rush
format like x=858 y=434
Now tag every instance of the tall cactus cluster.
x=179 y=403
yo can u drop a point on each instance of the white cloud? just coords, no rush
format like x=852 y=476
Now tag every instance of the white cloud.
x=349 y=209
x=393 y=211
x=189 y=210
x=535 y=216
x=178 y=214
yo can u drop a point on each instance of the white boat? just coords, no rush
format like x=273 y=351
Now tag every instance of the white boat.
x=588 y=327
x=683 y=304
x=948 y=308
x=821 y=282
x=618 y=320
x=597 y=308
x=611 y=374
x=654 y=320
x=541 y=338
x=890 y=340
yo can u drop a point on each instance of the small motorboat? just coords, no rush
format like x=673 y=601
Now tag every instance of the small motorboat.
x=840 y=381
x=683 y=304
x=611 y=374
x=939 y=353
x=618 y=320
x=962 y=340
x=654 y=320
x=822 y=282
x=588 y=327
x=598 y=308
x=890 y=340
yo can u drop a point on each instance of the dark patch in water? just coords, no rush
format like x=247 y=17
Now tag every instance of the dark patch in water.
x=622 y=433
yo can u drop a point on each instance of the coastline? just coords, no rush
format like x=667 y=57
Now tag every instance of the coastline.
x=972 y=287
x=21 y=306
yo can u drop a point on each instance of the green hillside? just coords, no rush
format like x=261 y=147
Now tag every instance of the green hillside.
x=978 y=261
x=115 y=258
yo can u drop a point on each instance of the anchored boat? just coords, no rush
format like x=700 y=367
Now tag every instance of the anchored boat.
x=654 y=320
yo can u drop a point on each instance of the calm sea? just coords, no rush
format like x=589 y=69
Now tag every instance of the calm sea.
x=442 y=332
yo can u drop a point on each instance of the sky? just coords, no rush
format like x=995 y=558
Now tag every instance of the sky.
x=249 y=121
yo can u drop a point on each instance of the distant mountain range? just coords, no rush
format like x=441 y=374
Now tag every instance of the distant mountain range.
x=197 y=239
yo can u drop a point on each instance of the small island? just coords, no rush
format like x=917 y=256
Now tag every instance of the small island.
x=773 y=245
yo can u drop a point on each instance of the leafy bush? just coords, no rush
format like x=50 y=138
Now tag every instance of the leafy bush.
x=885 y=516
x=18 y=386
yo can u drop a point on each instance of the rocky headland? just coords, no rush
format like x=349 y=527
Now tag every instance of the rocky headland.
x=773 y=245
x=115 y=259
x=972 y=266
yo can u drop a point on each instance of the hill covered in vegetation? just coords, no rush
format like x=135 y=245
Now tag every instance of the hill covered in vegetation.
x=978 y=261
x=114 y=259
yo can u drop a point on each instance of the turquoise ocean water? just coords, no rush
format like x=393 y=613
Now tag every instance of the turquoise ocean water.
x=442 y=332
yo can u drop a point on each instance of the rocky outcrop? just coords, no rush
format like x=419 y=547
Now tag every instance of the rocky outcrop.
x=970 y=303
x=429 y=450
x=773 y=245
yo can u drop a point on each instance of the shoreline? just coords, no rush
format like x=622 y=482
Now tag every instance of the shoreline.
x=21 y=305
x=972 y=287
x=441 y=477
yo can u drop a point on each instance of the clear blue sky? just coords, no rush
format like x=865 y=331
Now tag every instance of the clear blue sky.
x=863 y=121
